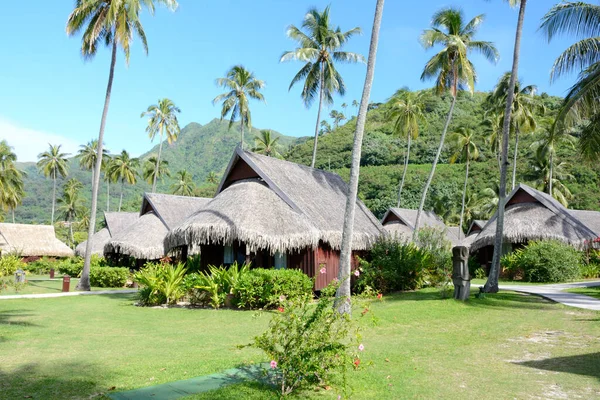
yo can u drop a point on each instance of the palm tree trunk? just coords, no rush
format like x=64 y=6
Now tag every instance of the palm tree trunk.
x=342 y=302
x=462 y=209
x=84 y=281
x=314 y=154
x=121 y=198
x=71 y=233
x=405 y=168
x=551 y=171
x=107 y=195
x=491 y=286
x=242 y=134
x=13 y=214
x=157 y=162
x=514 y=173
x=53 y=196
x=435 y=161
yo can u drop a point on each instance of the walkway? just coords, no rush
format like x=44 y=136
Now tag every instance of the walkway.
x=65 y=294
x=555 y=293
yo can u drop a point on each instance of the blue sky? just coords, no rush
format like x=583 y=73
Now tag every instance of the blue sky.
x=49 y=94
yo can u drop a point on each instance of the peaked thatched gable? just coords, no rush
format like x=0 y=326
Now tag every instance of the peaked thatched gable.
x=172 y=209
x=476 y=226
x=115 y=223
x=401 y=223
x=31 y=241
x=276 y=205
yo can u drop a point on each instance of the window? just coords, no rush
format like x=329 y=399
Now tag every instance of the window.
x=280 y=261
x=228 y=255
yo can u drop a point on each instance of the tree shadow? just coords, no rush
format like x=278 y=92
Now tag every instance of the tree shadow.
x=12 y=317
x=583 y=364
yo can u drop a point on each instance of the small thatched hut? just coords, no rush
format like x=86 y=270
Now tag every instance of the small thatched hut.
x=115 y=223
x=31 y=241
x=400 y=222
x=276 y=214
x=534 y=215
x=143 y=239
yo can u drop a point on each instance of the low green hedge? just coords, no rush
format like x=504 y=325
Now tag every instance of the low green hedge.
x=262 y=288
x=108 y=277
x=9 y=265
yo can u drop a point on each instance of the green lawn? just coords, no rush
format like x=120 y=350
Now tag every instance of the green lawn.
x=506 y=345
x=37 y=285
x=481 y=282
x=591 y=291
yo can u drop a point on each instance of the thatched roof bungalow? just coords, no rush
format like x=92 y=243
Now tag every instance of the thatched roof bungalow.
x=275 y=213
x=143 y=239
x=534 y=215
x=31 y=241
x=115 y=222
x=400 y=223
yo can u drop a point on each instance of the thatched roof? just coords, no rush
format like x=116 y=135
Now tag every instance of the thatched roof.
x=117 y=221
x=99 y=239
x=31 y=240
x=476 y=226
x=394 y=217
x=171 y=209
x=306 y=207
x=536 y=216
x=591 y=219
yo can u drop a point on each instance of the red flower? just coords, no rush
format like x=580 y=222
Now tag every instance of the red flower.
x=366 y=310
x=280 y=309
x=379 y=296
x=356 y=362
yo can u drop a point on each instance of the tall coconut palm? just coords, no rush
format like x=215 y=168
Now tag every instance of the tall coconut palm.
x=465 y=144
x=319 y=46
x=113 y=23
x=337 y=117
x=342 y=303
x=550 y=179
x=183 y=186
x=154 y=170
x=12 y=189
x=87 y=154
x=123 y=168
x=53 y=163
x=407 y=112
x=582 y=20
x=451 y=68
x=106 y=162
x=267 y=144
x=70 y=204
x=493 y=126
x=241 y=86
x=491 y=285
x=162 y=118
x=212 y=178
x=488 y=200
x=355 y=104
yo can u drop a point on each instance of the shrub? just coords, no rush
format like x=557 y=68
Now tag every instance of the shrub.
x=161 y=283
x=74 y=265
x=40 y=266
x=9 y=264
x=510 y=263
x=108 y=277
x=262 y=288
x=549 y=261
x=218 y=284
x=590 y=271
x=435 y=242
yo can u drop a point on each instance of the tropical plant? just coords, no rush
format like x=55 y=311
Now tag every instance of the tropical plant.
x=342 y=295
x=114 y=24
x=493 y=126
x=241 y=86
x=123 y=168
x=451 y=68
x=407 y=113
x=183 y=186
x=12 y=189
x=325 y=128
x=465 y=144
x=106 y=163
x=212 y=178
x=162 y=118
x=161 y=283
x=70 y=204
x=355 y=104
x=267 y=144
x=155 y=169
x=88 y=153
x=337 y=117
x=547 y=176
x=53 y=163
x=319 y=47
x=491 y=285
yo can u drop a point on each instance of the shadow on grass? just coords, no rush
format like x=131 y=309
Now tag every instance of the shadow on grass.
x=12 y=317
x=583 y=364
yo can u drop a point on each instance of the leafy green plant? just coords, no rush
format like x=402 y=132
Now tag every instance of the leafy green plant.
x=480 y=273
x=161 y=283
x=9 y=264
x=590 y=271
x=436 y=244
x=108 y=277
x=262 y=288
x=40 y=266
x=549 y=261
x=218 y=284
x=510 y=262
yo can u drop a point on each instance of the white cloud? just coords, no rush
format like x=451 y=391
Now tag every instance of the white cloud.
x=28 y=143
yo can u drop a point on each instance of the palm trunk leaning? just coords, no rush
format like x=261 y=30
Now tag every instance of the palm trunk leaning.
x=84 y=282
x=162 y=128
x=53 y=196
x=121 y=198
x=491 y=286
x=409 y=139
x=13 y=214
x=515 y=156
x=342 y=302
x=107 y=195
x=242 y=134
x=435 y=161
x=321 y=89
x=462 y=209
x=551 y=170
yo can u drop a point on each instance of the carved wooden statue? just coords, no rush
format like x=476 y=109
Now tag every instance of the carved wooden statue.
x=460 y=273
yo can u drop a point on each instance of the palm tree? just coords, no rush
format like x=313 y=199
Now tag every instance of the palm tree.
x=88 y=154
x=53 y=163
x=153 y=170
x=114 y=24
x=343 y=299
x=549 y=178
x=583 y=21
x=466 y=150
x=162 y=117
x=267 y=144
x=183 y=186
x=451 y=68
x=491 y=285
x=106 y=163
x=11 y=179
x=325 y=128
x=319 y=46
x=337 y=118
x=212 y=178
x=524 y=106
x=70 y=204
x=493 y=126
x=355 y=104
x=124 y=168
x=407 y=112
x=241 y=86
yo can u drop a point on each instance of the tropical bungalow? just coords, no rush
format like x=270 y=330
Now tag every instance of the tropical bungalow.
x=476 y=226
x=276 y=214
x=400 y=223
x=31 y=241
x=142 y=239
x=534 y=215
x=115 y=222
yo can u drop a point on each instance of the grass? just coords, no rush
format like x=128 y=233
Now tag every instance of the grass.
x=590 y=291
x=422 y=347
x=481 y=282
x=38 y=285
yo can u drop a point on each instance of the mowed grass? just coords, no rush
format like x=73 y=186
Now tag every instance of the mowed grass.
x=590 y=291
x=37 y=285
x=506 y=345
